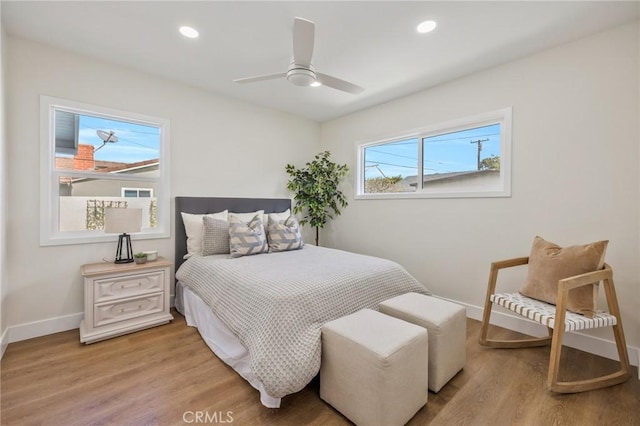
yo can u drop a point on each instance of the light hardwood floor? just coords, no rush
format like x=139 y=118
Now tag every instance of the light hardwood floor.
x=168 y=376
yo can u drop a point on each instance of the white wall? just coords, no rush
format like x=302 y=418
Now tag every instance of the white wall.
x=219 y=147
x=3 y=195
x=575 y=171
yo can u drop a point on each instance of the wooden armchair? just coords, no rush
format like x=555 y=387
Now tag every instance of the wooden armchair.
x=558 y=321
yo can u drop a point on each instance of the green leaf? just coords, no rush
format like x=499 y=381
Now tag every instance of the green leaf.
x=315 y=189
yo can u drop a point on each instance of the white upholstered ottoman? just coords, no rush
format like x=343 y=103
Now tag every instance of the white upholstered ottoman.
x=374 y=368
x=447 y=326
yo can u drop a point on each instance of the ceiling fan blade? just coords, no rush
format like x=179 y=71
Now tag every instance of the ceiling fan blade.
x=303 y=39
x=338 y=84
x=260 y=78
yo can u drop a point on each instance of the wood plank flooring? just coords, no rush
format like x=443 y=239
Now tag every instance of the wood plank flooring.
x=168 y=376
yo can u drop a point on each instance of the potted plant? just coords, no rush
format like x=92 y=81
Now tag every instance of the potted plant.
x=316 y=192
x=140 y=258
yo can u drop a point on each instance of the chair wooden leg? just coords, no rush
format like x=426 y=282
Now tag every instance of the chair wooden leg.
x=486 y=316
x=556 y=345
x=614 y=309
x=599 y=382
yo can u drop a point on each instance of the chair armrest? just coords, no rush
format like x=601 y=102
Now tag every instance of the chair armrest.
x=585 y=279
x=496 y=266
x=509 y=263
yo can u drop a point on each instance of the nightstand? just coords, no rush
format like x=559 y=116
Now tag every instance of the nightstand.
x=123 y=298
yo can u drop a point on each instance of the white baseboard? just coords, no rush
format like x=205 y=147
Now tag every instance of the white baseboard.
x=584 y=342
x=40 y=328
x=4 y=342
x=44 y=327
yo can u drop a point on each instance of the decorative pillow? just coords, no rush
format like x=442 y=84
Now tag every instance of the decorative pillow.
x=284 y=235
x=193 y=227
x=246 y=238
x=276 y=216
x=215 y=238
x=246 y=217
x=549 y=263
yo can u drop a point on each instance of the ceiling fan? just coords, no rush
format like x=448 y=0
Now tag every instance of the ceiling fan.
x=301 y=72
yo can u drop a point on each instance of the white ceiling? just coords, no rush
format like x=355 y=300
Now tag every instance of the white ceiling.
x=371 y=43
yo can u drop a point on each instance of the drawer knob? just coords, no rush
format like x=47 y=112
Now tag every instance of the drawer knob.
x=139 y=284
x=121 y=285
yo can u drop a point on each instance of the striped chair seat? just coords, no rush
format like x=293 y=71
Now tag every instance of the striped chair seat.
x=545 y=313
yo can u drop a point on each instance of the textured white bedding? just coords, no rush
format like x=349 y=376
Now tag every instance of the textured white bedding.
x=220 y=339
x=277 y=303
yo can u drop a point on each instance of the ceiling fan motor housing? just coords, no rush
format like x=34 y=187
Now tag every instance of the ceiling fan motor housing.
x=301 y=76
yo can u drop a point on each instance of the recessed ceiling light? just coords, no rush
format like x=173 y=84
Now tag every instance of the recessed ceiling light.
x=189 y=32
x=316 y=84
x=427 y=26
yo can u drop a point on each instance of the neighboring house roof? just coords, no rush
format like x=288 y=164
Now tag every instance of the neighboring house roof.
x=114 y=167
x=138 y=167
x=84 y=160
x=451 y=177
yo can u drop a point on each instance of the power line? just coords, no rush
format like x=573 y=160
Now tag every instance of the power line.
x=393 y=165
x=125 y=140
x=395 y=155
x=377 y=163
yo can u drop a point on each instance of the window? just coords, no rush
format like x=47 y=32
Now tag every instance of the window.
x=136 y=192
x=93 y=158
x=470 y=157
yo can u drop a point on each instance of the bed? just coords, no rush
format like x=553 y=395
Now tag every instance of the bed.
x=262 y=314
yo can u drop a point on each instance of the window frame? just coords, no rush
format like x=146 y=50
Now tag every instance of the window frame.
x=50 y=235
x=124 y=189
x=502 y=116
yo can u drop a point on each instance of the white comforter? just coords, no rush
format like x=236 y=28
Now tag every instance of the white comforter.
x=276 y=303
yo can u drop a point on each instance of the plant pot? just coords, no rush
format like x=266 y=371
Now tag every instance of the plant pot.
x=140 y=260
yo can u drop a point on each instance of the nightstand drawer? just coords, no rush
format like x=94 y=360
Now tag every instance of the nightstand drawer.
x=122 y=310
x=121 y=298
x=128 y=285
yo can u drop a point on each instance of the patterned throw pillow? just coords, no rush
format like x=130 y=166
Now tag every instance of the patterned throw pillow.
x=284 y=235
x=215 y=238
x=279 y=216
x=246 y=238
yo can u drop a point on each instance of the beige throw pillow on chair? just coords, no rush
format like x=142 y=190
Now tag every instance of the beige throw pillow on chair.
x=549 y=263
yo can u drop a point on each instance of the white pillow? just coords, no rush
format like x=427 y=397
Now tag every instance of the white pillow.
x=194 y=229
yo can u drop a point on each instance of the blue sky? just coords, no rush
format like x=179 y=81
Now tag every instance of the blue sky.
x=135 y=142
x=450 y=152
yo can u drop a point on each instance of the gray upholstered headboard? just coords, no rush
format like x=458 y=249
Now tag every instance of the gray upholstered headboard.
x=204 y=205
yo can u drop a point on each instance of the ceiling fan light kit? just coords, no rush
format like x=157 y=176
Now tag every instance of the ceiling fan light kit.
x=301 y=72
x=301 y=76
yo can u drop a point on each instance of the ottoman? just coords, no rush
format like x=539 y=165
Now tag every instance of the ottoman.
x=374 y=368
x=447 y=326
